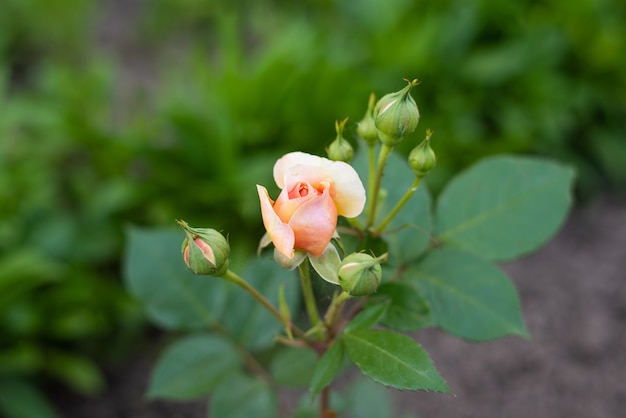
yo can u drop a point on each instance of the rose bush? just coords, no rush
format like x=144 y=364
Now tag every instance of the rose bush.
x=314 y=192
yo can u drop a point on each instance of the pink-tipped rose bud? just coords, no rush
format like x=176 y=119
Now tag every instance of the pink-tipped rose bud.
x=314 y=192
x=396 y=115
x=205 y=251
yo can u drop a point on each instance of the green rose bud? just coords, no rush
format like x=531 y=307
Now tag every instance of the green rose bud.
x=340 y=149
x=396 y=115
x=205 y=251
x=360 y=274
x=422 y=158
x=366 y=128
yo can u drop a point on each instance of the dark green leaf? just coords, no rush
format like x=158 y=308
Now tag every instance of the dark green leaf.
x=504 y=206
x=249 y=322
x=191 y=367
x=368 y=317
x=393 y=359
x=243 y=396
x=407 y=309
x=293 y=366
x=155 y=274
x=327 y=368
x=469 y=297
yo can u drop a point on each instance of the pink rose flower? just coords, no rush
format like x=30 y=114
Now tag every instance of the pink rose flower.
x=315 y=191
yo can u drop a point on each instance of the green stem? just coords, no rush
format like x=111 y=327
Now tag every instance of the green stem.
x=307 y=293
x=372 y=169
x=399 y=205
x=385 y=151
x=334 y=308
x=325 y=411
x=233 y=277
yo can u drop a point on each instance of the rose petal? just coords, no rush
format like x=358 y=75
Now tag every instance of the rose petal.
x=286 y=206
x=281 y=234
x=349 y=193
x=346 y=187
x=314 y=223
x=297 y=160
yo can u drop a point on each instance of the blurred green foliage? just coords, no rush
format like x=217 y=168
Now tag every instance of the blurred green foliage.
x=143 y=112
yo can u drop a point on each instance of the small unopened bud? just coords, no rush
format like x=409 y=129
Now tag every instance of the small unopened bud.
x=396 y=115
x=366 y=128
x=205 y=251
x=422 y=158
x=360 y=274
x=340 y=149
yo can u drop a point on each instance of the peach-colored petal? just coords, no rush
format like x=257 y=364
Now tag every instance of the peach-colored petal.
x=290 y=200
x=314 y=223
x=281 y=234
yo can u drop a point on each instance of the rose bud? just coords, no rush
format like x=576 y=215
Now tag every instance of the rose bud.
x=422 y=158
x=396 y=115
x=205 y=251
x=340 y=149
x=360 y=274
x=366 y=128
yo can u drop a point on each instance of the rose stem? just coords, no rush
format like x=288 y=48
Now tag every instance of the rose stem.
x=307 y=293
x=372 y=168
x=233 y=277
x=399 y=205
x=385 y=151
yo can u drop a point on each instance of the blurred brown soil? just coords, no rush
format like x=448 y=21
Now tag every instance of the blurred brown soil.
x=573 y=294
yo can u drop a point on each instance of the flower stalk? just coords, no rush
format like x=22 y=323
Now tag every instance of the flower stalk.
x=309 y=297
x=235 y=278
x=407 y=196
x=385 y=152
x=330 y=318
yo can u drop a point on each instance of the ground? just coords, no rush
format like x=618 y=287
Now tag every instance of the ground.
x=573 y=296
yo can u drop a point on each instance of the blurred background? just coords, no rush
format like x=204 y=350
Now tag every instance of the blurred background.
x=124 y=112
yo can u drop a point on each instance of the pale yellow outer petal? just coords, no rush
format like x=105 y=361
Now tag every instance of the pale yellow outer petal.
x=293 y=160
x=349 y=191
